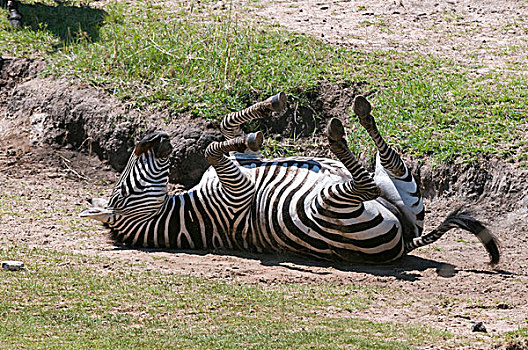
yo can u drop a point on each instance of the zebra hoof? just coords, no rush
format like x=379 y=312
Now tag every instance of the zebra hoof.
x=362 y=107
x=278 y=102
x=335 y=130
x=255 y=141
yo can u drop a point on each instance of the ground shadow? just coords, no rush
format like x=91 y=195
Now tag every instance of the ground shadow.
x=407 y=268
x=68 y=23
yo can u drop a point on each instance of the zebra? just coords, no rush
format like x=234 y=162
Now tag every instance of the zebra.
x=317 y=207
x=14 y=16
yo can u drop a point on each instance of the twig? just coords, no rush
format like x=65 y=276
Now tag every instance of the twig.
x=80 y=176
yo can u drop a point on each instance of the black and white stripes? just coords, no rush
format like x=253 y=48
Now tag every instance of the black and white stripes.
x=313 y=206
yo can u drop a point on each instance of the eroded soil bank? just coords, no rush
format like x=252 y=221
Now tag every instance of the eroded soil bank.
x=61 y=142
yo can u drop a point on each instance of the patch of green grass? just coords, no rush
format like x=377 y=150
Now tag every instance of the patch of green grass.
x=70 y=301
x=49 y=26
x=428 y=109
x=518 y=337
x=187 y=60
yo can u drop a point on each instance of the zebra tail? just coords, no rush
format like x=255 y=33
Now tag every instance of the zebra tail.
x=463 y=220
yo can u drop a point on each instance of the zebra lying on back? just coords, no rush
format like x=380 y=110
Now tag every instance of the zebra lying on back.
x=313 y=206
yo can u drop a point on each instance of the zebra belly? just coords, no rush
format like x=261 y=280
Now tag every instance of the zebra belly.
x=403 y=192
x=283 y=215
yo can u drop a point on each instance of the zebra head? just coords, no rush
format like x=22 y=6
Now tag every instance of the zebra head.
x=142 y=187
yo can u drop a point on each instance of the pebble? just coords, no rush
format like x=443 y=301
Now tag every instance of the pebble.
x=478 y=327
x=11 y=265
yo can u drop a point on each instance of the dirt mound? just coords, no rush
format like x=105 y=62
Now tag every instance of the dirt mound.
x=62 y=113
x=14 y=132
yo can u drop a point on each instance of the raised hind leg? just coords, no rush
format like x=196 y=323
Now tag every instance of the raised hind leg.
x=392 y=176
x=362 y=186
x=230 y=125
x=389 y=158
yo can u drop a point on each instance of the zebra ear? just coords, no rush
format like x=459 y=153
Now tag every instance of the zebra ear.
x=99 y=202
x=147 y=143
x=97 y=213
x=154 y=140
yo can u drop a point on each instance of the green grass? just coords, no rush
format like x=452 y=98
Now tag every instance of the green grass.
x=71 y=301
x=195 y=62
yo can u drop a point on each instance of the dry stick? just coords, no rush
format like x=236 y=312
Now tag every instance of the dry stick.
x=80 y=176
x=90 y=140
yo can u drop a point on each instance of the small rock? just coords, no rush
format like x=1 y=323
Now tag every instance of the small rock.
x=324 y=7
x=446 y=270
x=478 y=327
x=11 y=265
x=504 y=306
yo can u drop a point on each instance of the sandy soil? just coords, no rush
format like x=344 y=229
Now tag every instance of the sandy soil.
x=483 y=35
x=447 y=286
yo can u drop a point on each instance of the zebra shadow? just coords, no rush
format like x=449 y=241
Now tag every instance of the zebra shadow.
x=67 y=23
x=408 y=268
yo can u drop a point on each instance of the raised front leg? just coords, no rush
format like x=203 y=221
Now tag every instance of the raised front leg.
x=353 y=192
x=230 y=125
x=232 y=179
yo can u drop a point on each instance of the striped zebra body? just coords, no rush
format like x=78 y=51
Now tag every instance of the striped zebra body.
x=288 y=213
x=312 y=206
x=285 y=213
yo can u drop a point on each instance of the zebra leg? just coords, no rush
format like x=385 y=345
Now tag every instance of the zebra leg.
x=230 y=125
x=15 y=18
x=362 y=186
x=389 y=158
x=392 y=176
x=233 y=181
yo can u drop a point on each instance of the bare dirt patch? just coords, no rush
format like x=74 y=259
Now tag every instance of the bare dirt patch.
x=483 y=35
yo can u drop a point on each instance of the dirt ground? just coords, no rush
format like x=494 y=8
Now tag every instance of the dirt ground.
x=483 y=35
x=447 y=286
